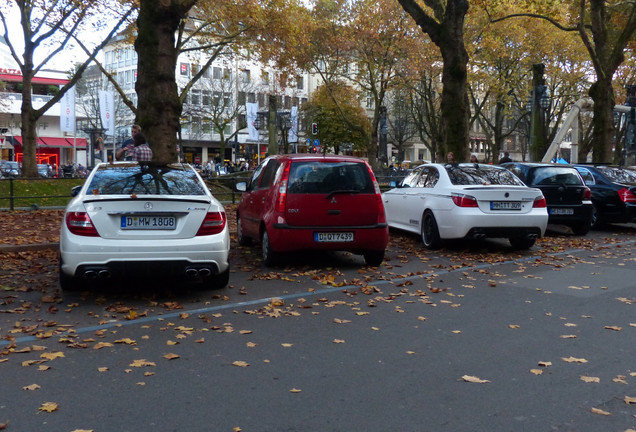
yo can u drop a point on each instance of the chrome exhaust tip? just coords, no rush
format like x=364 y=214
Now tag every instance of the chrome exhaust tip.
x=90 y=274
x=205 y=272
x=191 y=272
x=104 y=274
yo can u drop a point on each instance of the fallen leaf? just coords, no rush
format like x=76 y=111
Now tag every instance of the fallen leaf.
x=240 y=363
x=338 y=341
x=287 y=345
x=536 y=371
x=52 y=356
x=474 y=379
x=630 y=400
x=142 y=363
x=102 y=369
x=126 y=341
x=600 y=411
x=589 y=379
x=101 y=345
x=615 y=328
x=514 y=326
x=410 y=352
x=544 y=363
x=48 y=407
x=573 y=360
x=568 y=336
x=171 y=356
x=295 y=390
x=3 y=426
x=251 y=344
x=31 y=387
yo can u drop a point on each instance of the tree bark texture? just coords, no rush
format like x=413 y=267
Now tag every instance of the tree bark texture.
x=448 y=35
x=159 y=107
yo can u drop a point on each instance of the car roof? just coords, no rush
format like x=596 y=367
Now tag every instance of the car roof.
x=316 y=157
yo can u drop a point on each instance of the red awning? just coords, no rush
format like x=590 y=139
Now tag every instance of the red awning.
x=35 y=80
x=56 y=142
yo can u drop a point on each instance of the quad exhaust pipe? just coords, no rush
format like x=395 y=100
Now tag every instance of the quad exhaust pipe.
x=92 y=274
x=194 y=272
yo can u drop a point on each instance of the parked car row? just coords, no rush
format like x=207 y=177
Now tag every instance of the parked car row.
x=9 y=169
x=129 y=219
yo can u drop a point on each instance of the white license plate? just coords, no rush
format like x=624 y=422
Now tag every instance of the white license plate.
x=333 y=237
x=561 y=211
x=153 y=222
x=505 y=205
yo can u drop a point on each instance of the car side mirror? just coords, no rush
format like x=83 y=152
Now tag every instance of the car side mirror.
x=241 y=186
x=393 y=184
x=75 y=191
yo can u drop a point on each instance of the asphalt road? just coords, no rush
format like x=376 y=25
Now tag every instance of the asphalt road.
x=473 y=337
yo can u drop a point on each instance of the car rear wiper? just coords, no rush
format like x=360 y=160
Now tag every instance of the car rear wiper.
x=342 y=191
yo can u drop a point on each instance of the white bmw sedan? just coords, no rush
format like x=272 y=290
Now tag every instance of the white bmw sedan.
x=454 y=201
x=131 y=220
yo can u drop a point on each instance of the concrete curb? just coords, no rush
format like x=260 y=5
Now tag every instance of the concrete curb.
x=7 y=248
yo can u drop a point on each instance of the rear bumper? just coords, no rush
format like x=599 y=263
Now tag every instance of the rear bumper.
x=149 y=258
x=472 y=223
x=581 y=214
x=285 y=238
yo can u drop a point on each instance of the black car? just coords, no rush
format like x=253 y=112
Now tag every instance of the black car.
x=568 y=198
x=613 y=193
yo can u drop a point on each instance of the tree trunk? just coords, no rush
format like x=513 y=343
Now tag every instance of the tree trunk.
x=455 y=106
x=602 y=93
x=159 y=107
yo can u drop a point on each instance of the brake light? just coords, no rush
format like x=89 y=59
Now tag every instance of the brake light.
x=462 y=200
x=213 y=223
x=627 y=196
x=80 y=223
x=378 y=197
x=539 y=202
x=281 y=201
x=587 y=193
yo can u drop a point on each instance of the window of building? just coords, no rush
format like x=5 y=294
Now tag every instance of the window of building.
x=227 y=74
x=242 y=98
x=265 y=78
x=300 y=83
x=251 y=97
x=287 y=102
x=196 y=97
x=206 y=97
x=217 y=73
x=261 y=99
x=245 y=75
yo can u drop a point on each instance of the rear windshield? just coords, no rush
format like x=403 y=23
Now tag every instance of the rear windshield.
x=618 y=175
x=315 y=177
x=481 y=175
x=149 y=180
x=545 y=176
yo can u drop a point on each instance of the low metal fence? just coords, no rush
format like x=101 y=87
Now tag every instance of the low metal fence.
x=34 y=193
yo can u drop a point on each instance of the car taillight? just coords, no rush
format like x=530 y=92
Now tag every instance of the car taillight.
x=282 y=191
x=462 y=200
x=378 y=197
x=539 y=202
x=79 y=223
x=627 y=196
x=587 y=193
x=213 y=223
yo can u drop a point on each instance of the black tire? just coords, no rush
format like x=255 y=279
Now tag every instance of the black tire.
x=597 y=221
x=374 y=258
x=270 y=257
x=430 y=232
x=243 y=240
x=581 y=229
x=220 y=280
x=522 y=242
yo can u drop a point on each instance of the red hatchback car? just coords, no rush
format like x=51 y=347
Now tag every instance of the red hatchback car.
x=313 y=202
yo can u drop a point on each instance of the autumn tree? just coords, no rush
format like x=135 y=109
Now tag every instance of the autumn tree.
x=400 y=126
x=48 y=26
x=443 y=22
x=334 y=107
x=500 y=85
x=606 y=28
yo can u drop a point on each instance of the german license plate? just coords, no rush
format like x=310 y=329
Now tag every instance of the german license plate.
x=333 y=237
x=505 y=205
x=152 y=222
x=561 y=211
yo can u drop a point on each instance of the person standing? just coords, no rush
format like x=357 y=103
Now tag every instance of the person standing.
x=122 y=153
x=140 y=151
x=505 y=158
